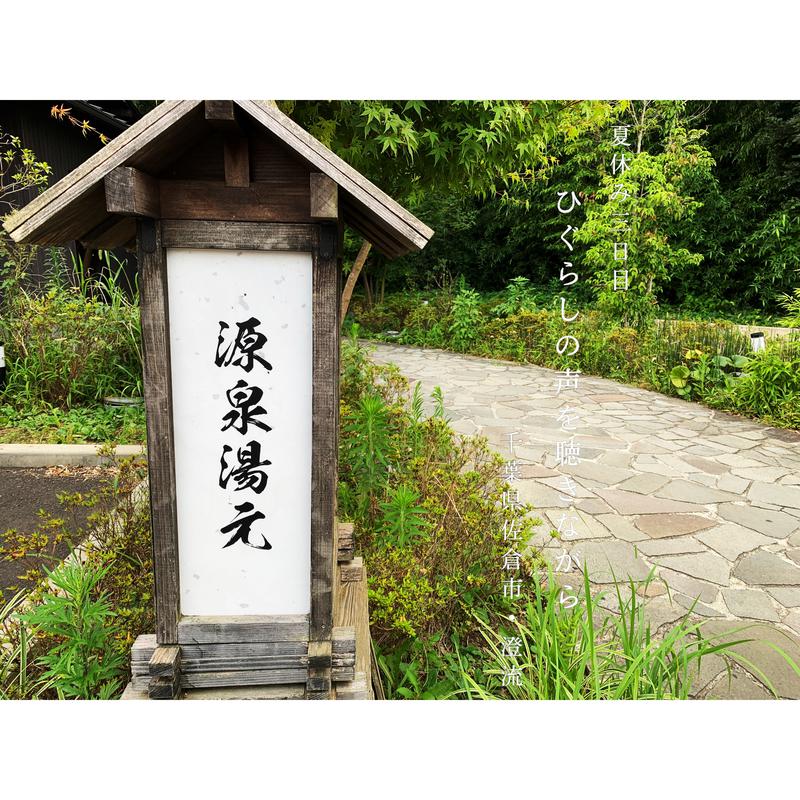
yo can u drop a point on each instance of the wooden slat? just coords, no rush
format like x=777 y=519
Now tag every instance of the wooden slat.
x=143 y=648
x=325 y=431
x=344 y=542
x=202 y=680
x=164 y=688
x=283 y=628
x=375 y=671
x=165 y=662
x=36 y=213
x=407 y=227
x=324 y=196
x=319 y=654
x=372 y=230
x=242 y=665
x=359 y=688
x=343 y=639
x=132 y=192
x=160 y=433
x=237 y=160
x=199 y=234
x=258 y=202
x=350 y=571
x=265 y=677
x=352 y=610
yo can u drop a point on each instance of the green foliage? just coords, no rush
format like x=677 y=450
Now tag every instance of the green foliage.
x=747 y=226
x=77 y=425
x=518 y=297
x=425 y=504
x=425 y=669
x=791 y=304
x=585 y=653
x=75 y=342
x=479 y=146
x=467 y=319
x=770 y=384
x=403 y=518
x=19 y=678
x=653 y=192
x=116 y=552
x=82 y=662
x=706 y=373
x=19 y=170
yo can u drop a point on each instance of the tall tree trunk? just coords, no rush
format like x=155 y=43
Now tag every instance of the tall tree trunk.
x=358 y=265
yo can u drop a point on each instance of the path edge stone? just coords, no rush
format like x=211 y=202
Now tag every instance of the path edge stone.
x=25 y=456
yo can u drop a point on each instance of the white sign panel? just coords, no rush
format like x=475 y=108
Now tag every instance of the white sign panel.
x=240 y=338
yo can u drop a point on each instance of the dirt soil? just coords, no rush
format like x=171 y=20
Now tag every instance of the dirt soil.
x=22 y=493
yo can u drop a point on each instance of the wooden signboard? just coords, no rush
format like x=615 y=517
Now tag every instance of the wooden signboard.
x=236 y=214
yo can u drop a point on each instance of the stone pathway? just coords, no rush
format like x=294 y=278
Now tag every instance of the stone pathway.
x=710 y=500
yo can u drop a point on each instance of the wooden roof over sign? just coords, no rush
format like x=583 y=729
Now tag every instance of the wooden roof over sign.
x=75 y=207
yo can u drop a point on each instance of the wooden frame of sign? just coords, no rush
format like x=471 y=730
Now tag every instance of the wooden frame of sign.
x=153 y=237
x=234 y=175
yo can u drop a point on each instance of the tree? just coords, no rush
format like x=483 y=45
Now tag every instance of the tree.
x=411 y=148
x=19 y=170
x=631 y=221
x=749 y=225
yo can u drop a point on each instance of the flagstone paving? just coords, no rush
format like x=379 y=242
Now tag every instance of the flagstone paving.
x=710 y=501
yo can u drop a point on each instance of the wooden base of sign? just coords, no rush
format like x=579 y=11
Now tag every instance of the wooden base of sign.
x=287 y=668
x=164 y=668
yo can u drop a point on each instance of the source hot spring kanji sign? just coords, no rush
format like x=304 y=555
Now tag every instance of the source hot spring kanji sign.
x=241 y=350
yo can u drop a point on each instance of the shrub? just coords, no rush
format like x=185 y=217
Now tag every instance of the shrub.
x=81 y=661
x=771 y=381
x=694 y=359
x=115 y=545
x=428 y=324
x=791 y=304
x=76 y=341
x=425 y=503
x=467 y=319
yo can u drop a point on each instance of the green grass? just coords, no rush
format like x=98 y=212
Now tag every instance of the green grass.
x=80 y=425
x=584 y=653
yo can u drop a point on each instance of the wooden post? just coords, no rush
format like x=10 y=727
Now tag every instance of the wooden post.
x=165 y=673
x=324 y=197
x=160 y=434
x=325 y=438
x=237 y=161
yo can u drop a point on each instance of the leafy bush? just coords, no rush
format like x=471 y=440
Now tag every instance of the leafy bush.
x=705 y=374
x=428 y=324
x=425 y=503
x=76 y=341
x=770 y=382
x=467 y=319
x=81 y=662
x=115 y=546
x=518 y=296
x=791 y=304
